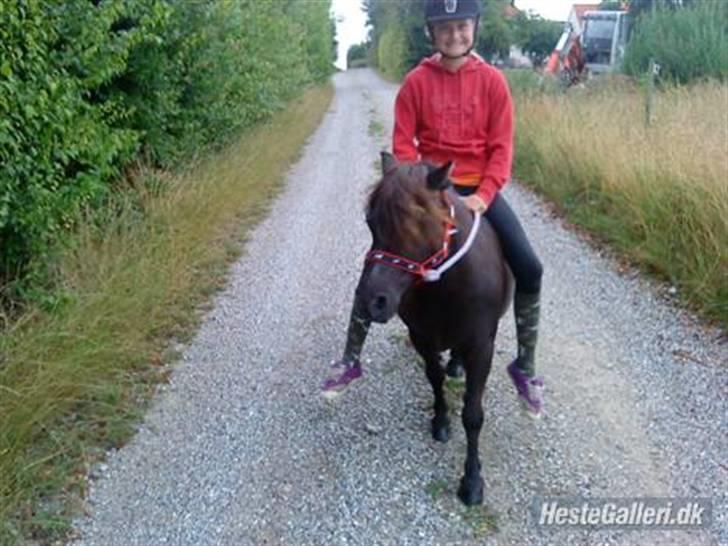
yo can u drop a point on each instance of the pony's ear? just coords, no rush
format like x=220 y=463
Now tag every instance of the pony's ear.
x=439 y=178
x=389 y=162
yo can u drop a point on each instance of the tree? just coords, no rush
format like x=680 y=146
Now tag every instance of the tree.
x=397 y=34
x=537 y=36
x=496 y=34
x=357 y=55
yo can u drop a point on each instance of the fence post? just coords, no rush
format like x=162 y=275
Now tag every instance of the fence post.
x=654 y=69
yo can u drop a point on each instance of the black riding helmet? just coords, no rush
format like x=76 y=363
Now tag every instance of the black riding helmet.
x=447 y=10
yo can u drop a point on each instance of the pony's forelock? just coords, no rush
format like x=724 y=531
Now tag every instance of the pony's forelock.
x=403 y=211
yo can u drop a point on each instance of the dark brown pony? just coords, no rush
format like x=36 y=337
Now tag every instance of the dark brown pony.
x=418 y=223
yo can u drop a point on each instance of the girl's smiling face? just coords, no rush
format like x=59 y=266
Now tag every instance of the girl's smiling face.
x=453 y=38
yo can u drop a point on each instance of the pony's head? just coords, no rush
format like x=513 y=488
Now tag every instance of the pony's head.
x=407 y=214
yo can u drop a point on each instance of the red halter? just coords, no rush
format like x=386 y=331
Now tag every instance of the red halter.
x=419 y=269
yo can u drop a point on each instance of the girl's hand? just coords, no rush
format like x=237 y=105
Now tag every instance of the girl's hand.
x=475 y=203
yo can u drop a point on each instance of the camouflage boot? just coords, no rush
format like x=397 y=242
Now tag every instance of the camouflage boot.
x=347 y=370
x=523 y=369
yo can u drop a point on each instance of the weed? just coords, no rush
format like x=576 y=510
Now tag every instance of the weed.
x=480 y=518
x=436 y=488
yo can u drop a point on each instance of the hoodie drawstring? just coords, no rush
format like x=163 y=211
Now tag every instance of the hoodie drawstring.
x=462 y=104
x=443 y=107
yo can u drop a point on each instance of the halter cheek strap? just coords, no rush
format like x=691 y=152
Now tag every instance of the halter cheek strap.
x=433 y=275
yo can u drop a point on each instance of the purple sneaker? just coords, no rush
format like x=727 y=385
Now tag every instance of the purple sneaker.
x=530 y=390
x=345 y=374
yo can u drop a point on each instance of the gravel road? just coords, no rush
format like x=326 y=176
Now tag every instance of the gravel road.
x=239 y=449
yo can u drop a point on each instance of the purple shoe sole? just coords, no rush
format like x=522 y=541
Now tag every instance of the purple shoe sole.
x=530 y=390
x=339 y=382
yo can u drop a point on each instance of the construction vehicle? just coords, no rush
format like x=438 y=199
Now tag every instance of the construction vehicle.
x=593 y=42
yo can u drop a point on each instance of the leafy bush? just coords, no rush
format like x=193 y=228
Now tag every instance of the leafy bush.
x=58 y=143
x=87 y=88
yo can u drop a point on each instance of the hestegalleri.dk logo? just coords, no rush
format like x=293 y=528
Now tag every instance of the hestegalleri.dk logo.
x=624 y=513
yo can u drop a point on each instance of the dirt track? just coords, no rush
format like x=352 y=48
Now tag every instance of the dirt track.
x=240 y=449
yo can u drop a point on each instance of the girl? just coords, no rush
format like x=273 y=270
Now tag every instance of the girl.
x=455 y=106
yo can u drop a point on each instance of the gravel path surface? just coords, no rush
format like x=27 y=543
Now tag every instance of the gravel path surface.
x=239 y=449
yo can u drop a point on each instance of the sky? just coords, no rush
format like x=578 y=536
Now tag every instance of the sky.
x=351 y=20
x=557 y=10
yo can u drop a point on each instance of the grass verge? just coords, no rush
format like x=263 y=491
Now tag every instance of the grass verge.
x=657 y=193
x=74 y=382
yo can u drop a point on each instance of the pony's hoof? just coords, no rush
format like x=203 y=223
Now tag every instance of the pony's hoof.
x=440 y=433
x=471 y=494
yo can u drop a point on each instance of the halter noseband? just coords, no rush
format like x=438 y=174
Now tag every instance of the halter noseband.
x=432 y=268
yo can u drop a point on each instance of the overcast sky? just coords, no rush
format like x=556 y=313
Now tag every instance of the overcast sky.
x=351 y=20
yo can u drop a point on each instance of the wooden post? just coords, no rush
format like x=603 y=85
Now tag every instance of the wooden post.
x=650 y=91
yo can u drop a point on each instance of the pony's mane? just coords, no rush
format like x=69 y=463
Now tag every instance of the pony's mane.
x=404 y=212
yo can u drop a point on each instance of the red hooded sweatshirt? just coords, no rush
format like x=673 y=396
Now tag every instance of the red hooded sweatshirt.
x=465 y=116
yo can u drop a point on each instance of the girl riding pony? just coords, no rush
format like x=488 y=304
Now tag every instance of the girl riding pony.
x=454 y=106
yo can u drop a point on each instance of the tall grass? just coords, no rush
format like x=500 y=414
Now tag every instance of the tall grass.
x=72 y=382
x=659 y=193
x=688 y=44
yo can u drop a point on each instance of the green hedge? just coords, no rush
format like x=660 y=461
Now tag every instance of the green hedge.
x=89 y=87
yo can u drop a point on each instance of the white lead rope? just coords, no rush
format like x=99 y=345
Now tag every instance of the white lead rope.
x=433 y=275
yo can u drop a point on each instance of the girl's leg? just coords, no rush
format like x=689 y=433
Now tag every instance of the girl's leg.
x=348 y=369
x=527 y=270
x=357 y=332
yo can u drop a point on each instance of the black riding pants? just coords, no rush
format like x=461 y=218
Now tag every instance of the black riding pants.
x=521 y=258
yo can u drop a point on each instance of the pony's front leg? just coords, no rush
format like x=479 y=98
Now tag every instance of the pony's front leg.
x=477 y=368
x=440 y=422
x=436 y=376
